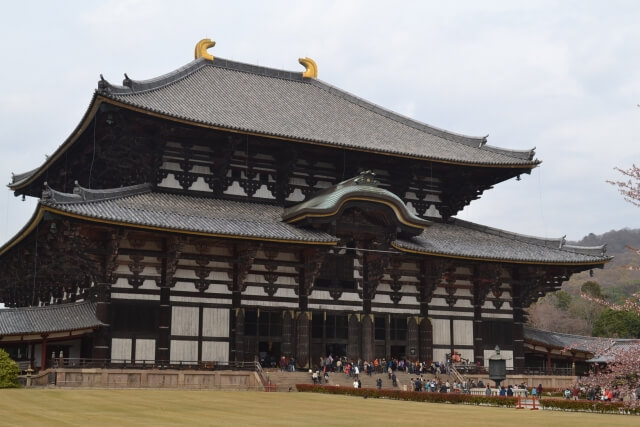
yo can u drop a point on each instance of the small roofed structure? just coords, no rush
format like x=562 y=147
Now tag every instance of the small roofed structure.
x=569 y=354
x=32 y=334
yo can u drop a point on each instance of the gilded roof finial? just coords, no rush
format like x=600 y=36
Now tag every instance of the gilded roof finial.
x=311 y=71
x=201 y=49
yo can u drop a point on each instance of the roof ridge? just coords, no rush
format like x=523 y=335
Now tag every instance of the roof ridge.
x=563 y=333
x=131 y=86
x=47 y=307
x=81 y=194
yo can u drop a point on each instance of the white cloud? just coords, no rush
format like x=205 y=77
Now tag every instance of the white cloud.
x=562 y=76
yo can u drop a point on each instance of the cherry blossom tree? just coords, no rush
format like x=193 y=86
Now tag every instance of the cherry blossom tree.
x=629 y=187
x=620 y=370
x=617 y=367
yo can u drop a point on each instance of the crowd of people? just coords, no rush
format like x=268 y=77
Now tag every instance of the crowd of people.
x=427 y=377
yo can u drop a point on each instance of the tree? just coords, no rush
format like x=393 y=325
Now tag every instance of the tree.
x=622 y=370
x=592 y=288
x=630 y=187
x=617 y=324
x=8 y=371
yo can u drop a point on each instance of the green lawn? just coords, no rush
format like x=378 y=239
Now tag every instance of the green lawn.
x=167 y=407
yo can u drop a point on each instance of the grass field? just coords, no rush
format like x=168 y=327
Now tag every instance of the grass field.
x=168 y=407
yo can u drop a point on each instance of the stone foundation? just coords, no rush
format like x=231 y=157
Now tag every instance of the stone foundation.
x=155 y=378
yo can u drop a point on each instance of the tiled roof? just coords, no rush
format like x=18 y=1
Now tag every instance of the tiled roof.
x=54 y=318
x=559 y=340
x=143 y=207
x=237 y=96
x=465 y=239
x=603 y=347
x=140 y=206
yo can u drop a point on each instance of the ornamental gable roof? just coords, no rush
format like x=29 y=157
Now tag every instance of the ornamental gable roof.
x=54 y=318
x=327 y=202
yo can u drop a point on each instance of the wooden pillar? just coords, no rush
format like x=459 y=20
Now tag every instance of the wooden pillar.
x=479 y=296
x=368 y=341
x=353 y=343
x=238 y=336
x=518 y=327
x=43 y=353
x=101 y=336
x=287 y=334
x=387 y=335
x=549 y=361
x=426 y=339
x=164 y=325
x=430 y=276
x=413 y=340
x=302 y=348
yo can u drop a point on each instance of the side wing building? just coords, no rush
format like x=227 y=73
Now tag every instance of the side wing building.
x=226 y=211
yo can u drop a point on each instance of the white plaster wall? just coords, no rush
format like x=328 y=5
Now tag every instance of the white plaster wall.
x=235 y=190
x=184 y=321
x=121 y=349
x=441 y=332
x=183 y=351
x=215 y=351
x=199 y=184
x=463 y=332
x=139 y=297
x=145 y=350
x=215 y=322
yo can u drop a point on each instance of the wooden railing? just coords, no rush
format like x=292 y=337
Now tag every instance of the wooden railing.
x=154 y=364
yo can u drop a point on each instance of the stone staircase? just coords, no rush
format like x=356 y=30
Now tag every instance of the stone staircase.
x=286 y=381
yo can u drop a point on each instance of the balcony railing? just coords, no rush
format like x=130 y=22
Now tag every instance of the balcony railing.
x=154 y=364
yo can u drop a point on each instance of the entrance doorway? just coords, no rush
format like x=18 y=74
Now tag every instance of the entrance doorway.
x=337 y=350
x=269 y=353
x=397 y=351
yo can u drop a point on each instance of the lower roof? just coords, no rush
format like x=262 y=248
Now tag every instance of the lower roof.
x=602 y=348
x=54 y=318
x=142 y=207
x=463 y=239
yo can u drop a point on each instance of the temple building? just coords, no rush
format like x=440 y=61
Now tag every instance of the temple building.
x=227 y=211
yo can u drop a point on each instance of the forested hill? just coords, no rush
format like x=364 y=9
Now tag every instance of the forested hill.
x=616 y=240
x=565 y=311
x=616 y=279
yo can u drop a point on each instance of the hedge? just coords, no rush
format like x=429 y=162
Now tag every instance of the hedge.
x=412 y=395
x=588 y=406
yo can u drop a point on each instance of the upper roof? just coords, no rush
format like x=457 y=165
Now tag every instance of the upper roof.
x=53 y=318
x=246 y=98
x=139 y=206
x=266 y=101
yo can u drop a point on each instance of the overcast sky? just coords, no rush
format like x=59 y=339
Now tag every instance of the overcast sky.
x=560 y=76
